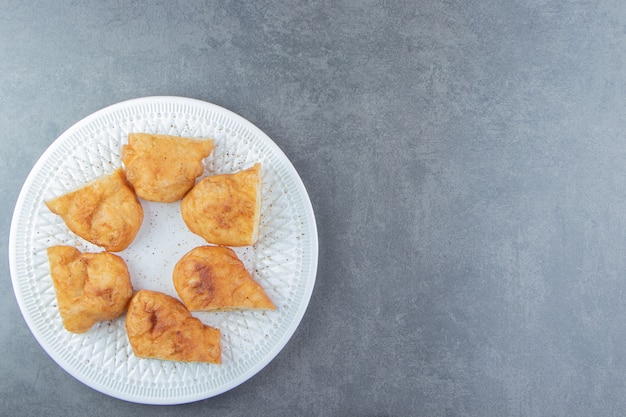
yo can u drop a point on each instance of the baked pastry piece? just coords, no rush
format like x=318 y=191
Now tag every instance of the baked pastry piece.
x=225 y=209
x=105 y=211
x=160 y=327
x=162 y=167
x=214 y=278
x=90 y=287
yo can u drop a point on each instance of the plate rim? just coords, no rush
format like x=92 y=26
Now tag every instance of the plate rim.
x=308 y=213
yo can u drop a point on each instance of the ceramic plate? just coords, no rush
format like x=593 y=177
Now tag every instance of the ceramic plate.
x=283 y=261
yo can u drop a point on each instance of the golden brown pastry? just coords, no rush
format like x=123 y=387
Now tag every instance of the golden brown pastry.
x=162 y=167
x=90 y=287
x=225 y=209
x=160 y=327
x=214 y=278
x=105 y=211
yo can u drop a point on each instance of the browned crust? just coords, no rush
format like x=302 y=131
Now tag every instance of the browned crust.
x=214 y=278
x=160 y=327
x=224 y=209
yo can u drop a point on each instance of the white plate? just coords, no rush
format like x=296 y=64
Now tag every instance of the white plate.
x=284 y=261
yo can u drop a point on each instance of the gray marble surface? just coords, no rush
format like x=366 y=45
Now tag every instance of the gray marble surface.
x=466 y=161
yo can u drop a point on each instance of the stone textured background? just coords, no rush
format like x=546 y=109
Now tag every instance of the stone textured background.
x=466 y=161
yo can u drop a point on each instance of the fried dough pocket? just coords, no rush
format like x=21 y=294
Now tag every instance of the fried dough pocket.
x=213 y=278
x=160 y=327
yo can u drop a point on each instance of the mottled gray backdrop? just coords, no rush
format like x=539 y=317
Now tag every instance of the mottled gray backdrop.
x=466 y=161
